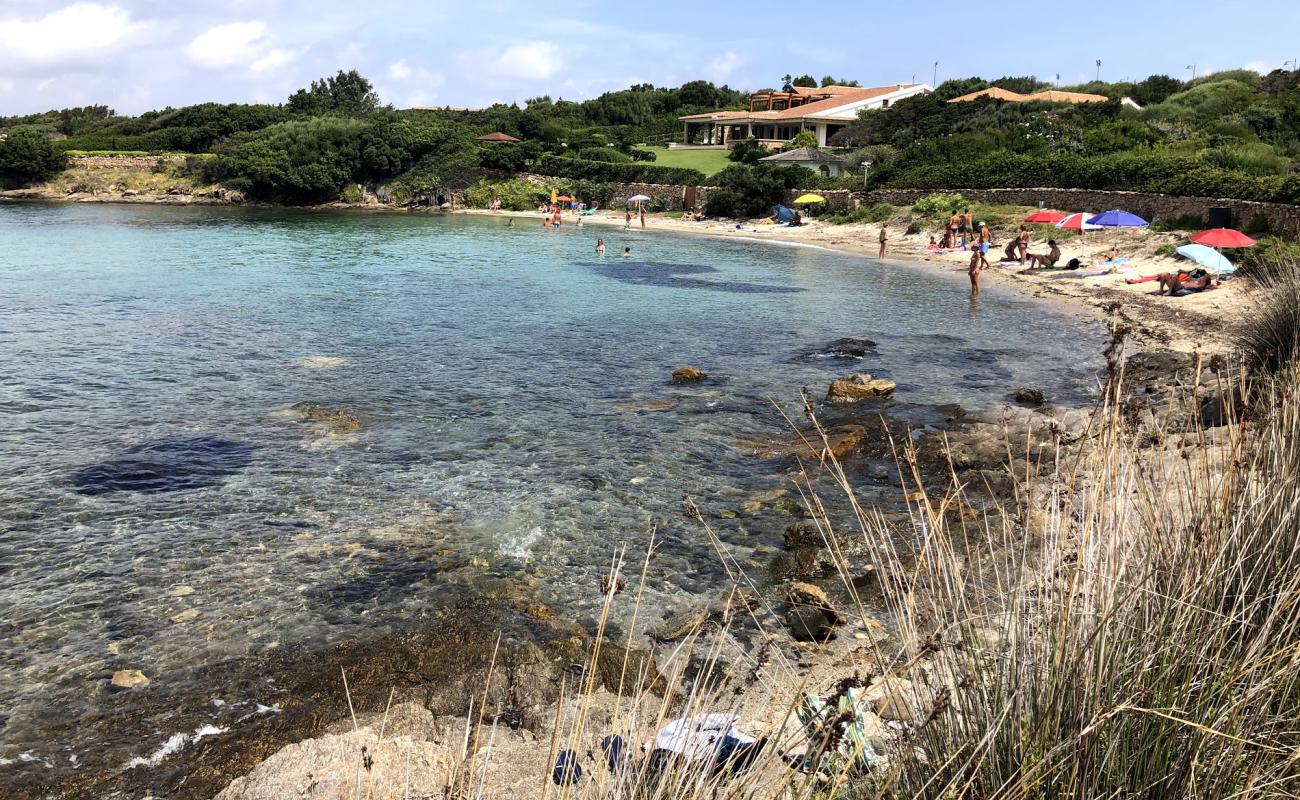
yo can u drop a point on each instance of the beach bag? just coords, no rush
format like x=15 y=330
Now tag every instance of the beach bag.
x=838 y=720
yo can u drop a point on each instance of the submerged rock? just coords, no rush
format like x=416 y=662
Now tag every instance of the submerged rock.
x=166 y=465
x=858 y=388
x=129 y=679
x=846 y=348
x=334 y=418
x=688 y=375
x=1030 y=397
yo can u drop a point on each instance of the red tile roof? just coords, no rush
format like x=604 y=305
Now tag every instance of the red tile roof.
x=497 y=136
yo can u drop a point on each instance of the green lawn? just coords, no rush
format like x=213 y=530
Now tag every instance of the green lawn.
x=709 y=162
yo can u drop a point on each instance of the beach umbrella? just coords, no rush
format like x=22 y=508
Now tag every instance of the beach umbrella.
x=1207 y=257
x=809 y=198
x=1223 y=237
x=1051 y=217
x=1078 y=222
x=639 y=198
x=1116 y=218
x=564 y=198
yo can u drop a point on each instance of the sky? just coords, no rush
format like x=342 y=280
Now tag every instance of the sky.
x=137 y=55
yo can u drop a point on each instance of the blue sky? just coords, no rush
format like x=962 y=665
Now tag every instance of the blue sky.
x=135 y=55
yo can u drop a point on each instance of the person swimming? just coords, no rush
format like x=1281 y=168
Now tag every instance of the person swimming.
x=600 y=247
x=511 y=223
x=627 y=252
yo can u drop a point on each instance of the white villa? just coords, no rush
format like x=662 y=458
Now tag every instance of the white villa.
x=775 y=118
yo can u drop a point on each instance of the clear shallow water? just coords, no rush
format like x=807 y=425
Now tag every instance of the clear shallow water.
x=497 y=376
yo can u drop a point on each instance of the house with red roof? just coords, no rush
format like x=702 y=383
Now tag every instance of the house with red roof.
x=775 y=118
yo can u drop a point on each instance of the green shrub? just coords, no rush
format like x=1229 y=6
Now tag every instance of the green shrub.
x=606 y=154
x=1257 y=225
x=748 y=151
x=747 y=192
x=803 y=139
x=1269 y=250
x=877 y=212
x=1186 y=222
x=27 y=157
x=565 y=167
x=351 y=194
x=913 y=228
x=515 y=195
x=1166 y=251
x=933 y=205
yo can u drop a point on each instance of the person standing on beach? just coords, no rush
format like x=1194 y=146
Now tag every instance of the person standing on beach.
x=642 y=217
x=627 y=220
x=969 y=220
x=884 y=240
x=984 y=245
x=974 y=271
x=1022 y=243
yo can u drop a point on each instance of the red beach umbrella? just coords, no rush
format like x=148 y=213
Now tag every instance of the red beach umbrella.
x=1049 y=217
x=1223 y=237
x=1078 y=222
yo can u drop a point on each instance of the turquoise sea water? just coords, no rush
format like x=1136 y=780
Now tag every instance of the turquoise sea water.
x=161 y=506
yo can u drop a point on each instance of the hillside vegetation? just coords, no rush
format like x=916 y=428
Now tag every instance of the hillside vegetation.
x=1232 y=134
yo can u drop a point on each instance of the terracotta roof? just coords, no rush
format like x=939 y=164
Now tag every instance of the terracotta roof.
x=497 y=136
x=842 y=99
x=805 y=155
x=1049 y=95
x=995 y=92
x=720 y=115
x=1068 y=97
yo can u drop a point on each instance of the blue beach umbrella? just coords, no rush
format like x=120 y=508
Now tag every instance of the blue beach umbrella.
x=1207 y=257
x=1115 y=218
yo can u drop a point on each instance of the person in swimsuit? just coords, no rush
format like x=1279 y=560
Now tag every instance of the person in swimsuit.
x=969 y=219
x=511 y=223
x=884 y=239
x=1022 y=243
x=600 y=247
x=974 y=271
x=985 y=242
x=643 y=217
x=1197 y=281
x=627 y=252
x=627 y=220
x=1044 y=261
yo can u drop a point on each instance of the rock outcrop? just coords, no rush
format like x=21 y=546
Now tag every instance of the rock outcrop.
x=857 y=388
x=688 y=375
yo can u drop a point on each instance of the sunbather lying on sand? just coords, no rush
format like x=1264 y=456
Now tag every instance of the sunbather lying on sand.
x=1196 y=281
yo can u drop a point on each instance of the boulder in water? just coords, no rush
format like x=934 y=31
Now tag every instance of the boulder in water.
x=846 y=348
x=857 y=388
x=811 y=617
x=129 y=679
x=1030 y=397
x=333 y=418
x=688 y=375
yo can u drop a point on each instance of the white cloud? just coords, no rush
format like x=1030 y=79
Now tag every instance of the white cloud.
x=530 y=61
x=238 y=44
x=78 y=35
x=399 y=70
x=721 y=68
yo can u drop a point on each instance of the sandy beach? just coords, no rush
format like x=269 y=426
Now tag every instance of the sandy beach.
x=1191 y=323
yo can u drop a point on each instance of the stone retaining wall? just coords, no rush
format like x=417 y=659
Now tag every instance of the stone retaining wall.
x=1283 y=220
x=122 y=162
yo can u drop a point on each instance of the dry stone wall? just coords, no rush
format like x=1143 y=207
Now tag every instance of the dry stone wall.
x=1283 y=220
x=122 y=162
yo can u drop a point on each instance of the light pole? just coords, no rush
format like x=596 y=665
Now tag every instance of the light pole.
x=1292 y=62
x=934 y=82
x=1192 y=67
x=1099 y=70
x=866 y=171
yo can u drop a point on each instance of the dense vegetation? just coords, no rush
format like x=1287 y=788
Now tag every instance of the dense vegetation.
x=1230 y=134
x=335 y=134
x=27 y=157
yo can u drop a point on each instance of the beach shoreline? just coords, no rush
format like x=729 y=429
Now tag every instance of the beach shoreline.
x=1194 y=323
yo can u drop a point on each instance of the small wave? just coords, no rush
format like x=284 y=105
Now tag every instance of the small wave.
x=521 y=546
x=173 y=745
x=26 y=758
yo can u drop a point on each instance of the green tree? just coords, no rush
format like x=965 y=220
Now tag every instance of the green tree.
x=803 y=139
x=345 y=93
x=806 y=81
x=830 y=80
x=27 y=157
